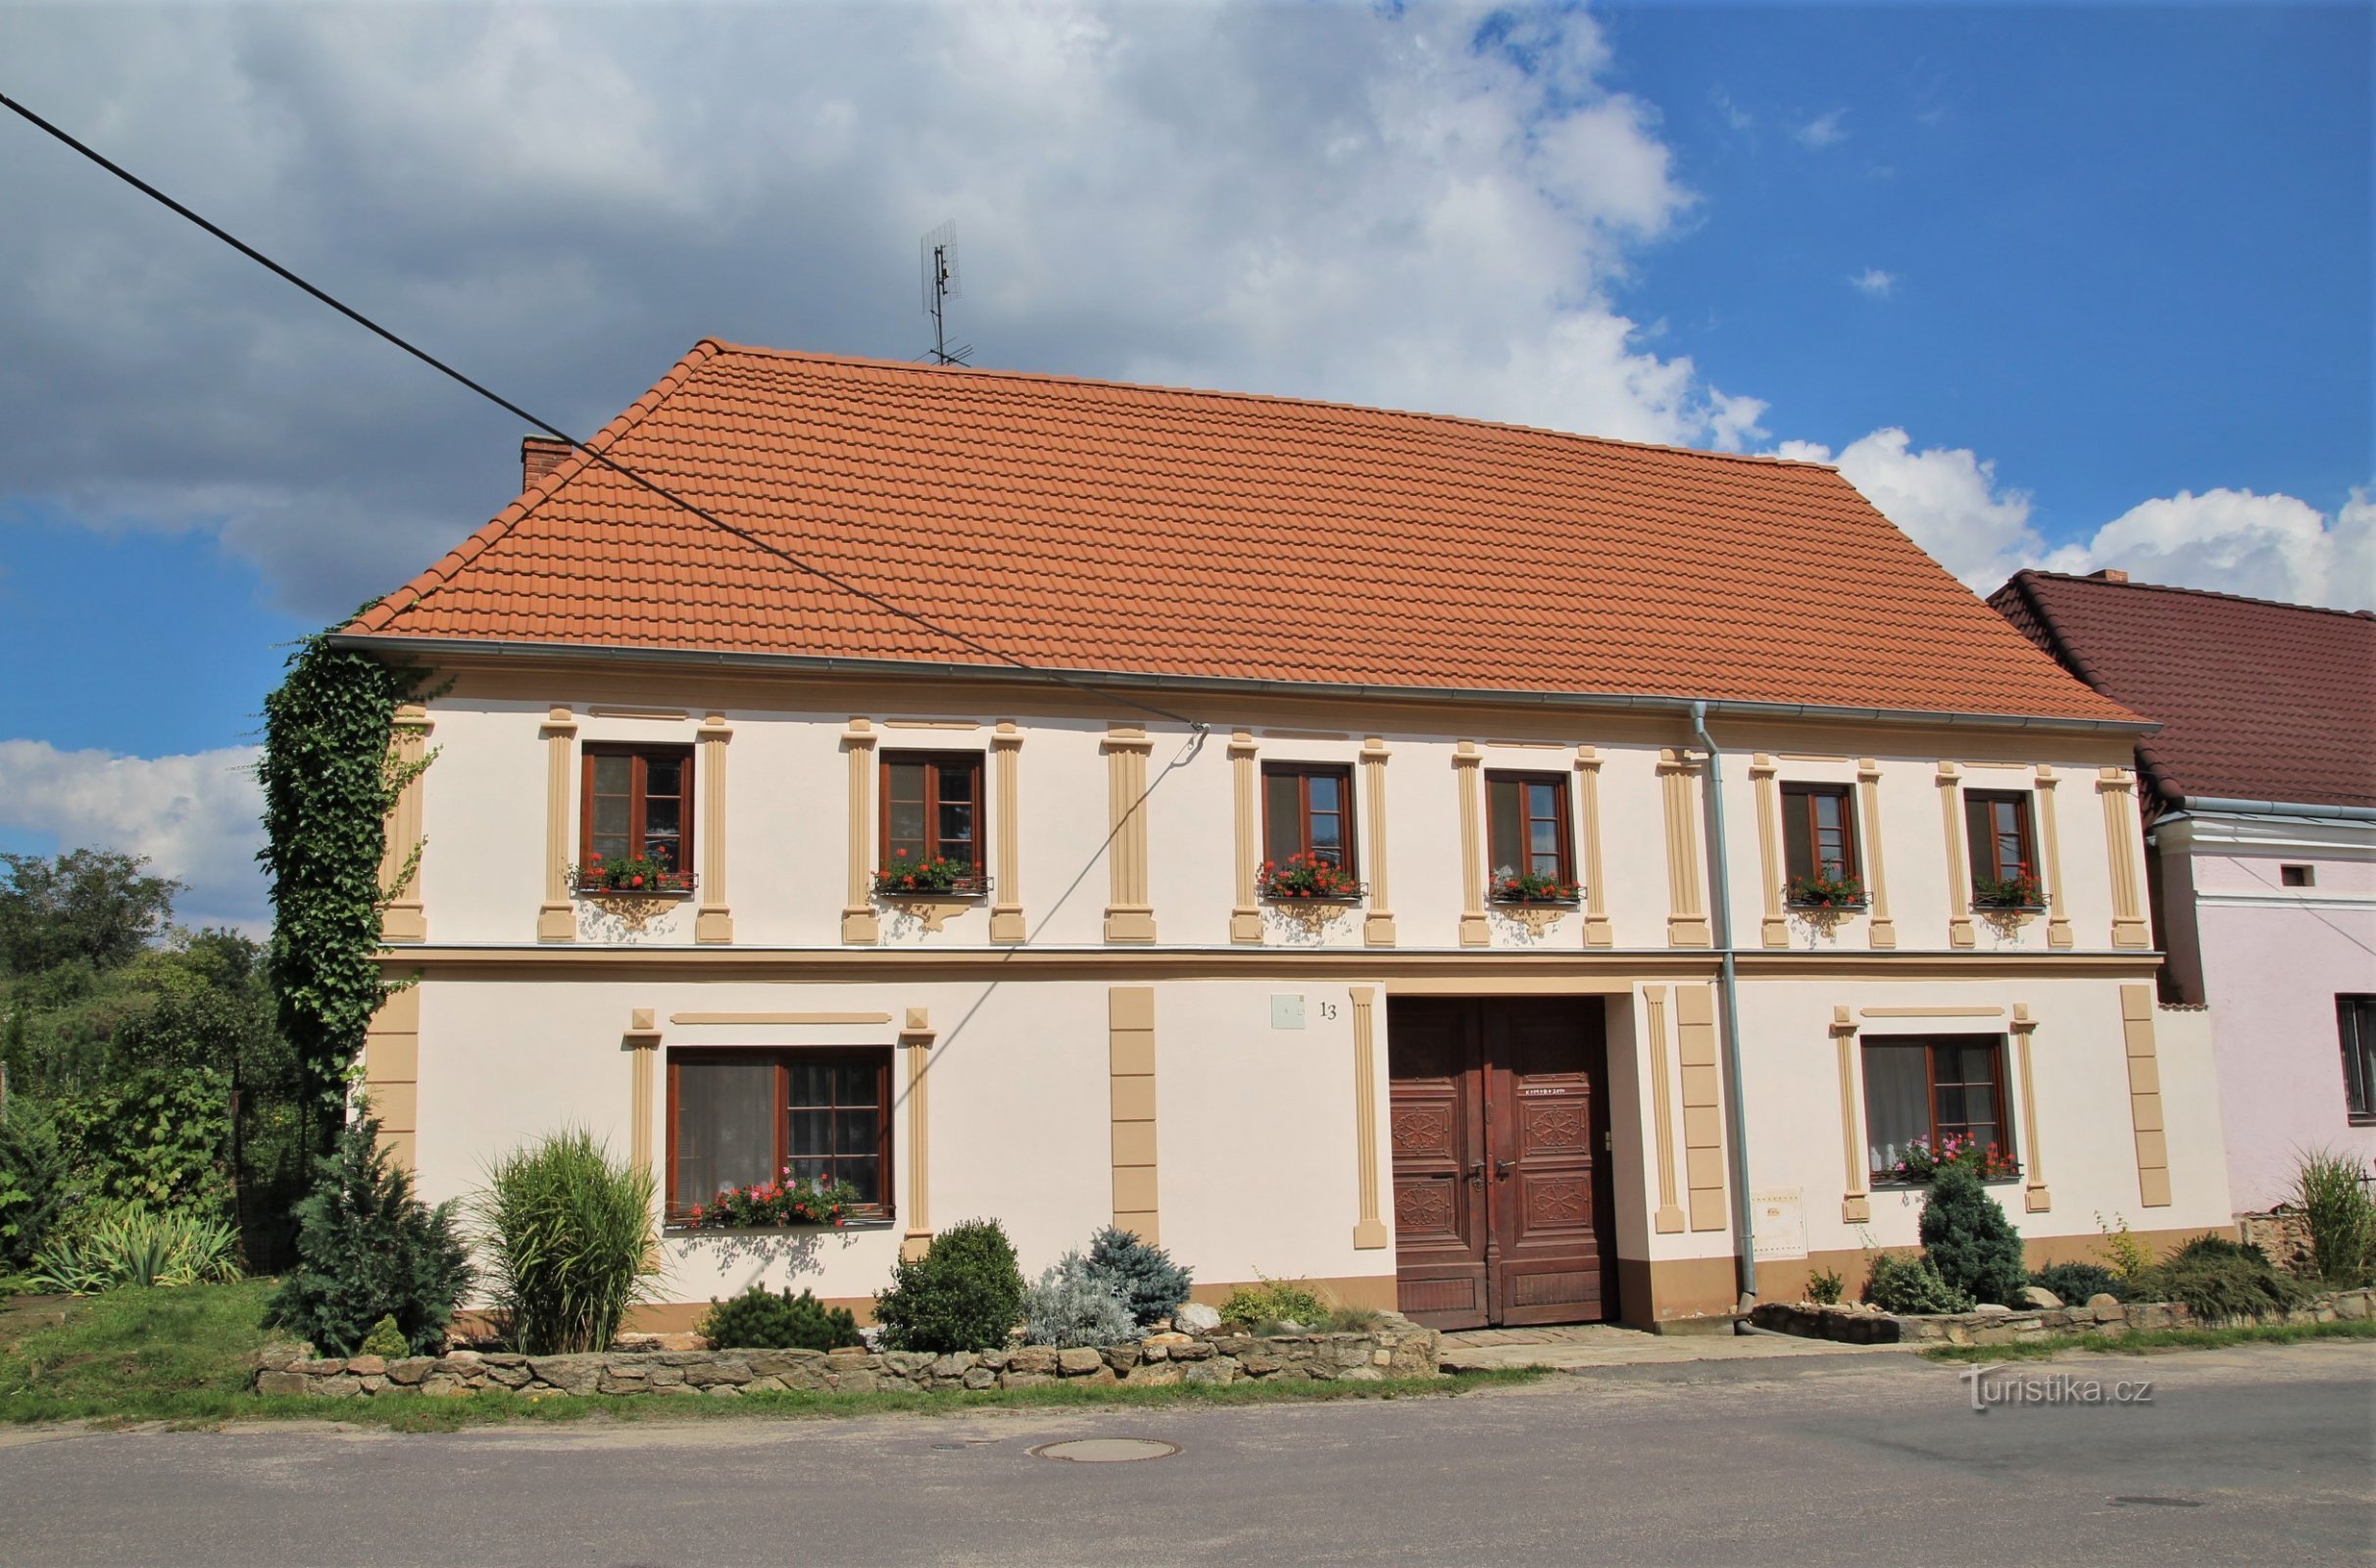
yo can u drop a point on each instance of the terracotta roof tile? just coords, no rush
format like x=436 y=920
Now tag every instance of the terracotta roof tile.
x=2258 y=701
x=1103 y=527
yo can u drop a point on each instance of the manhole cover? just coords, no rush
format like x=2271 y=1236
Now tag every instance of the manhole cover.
x=1106 y=1451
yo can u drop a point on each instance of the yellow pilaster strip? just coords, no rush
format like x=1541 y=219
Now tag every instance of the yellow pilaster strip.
x=2124 y=846
x=1686 y=909
x=1670 y=1216
x=1588 y=804
x=2145 y=1097
x=391 y=1072
x=861 y=926
x=1468 y=779
x=1006 y=922
x=1774 y=930
x=1855 y=1199
x=2058 y=913
x=1702 y=1114
x=2035 y=1197
x=1370 y=1230
x=557 y=918
x=1130 y=1022
x=405 y=920
x=1377 y=926
x=915 y=1044
x=642 y=1043
x=1960 y=931
x=713 y=922
x=1129 y=915
x=1245 y=914
x=1884 y=930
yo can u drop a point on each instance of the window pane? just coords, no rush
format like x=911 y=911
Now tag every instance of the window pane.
x=857 y=1131
x=956 y=828
x=812 y=1134
x=610 y=816
x=1978 y=835
x=1895 y=1101
x=1543 y=801
x=1798 y=844
x=1328 y=837
x=1502 y=813
x=1283 y=817
x=866 y=1175
x=812 y=1083
x=854 y=1084
x=1544 y=840
x=613 y=774
x=1327 y=792
x=725 y=1127
x=663 y=775
x=907 y=782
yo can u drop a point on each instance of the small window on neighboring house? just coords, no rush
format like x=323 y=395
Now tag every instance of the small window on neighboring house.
x=2299 y=877
x=1308 y=810
x=1940 y=1094
x=1819 y=845
x=2004 y=853
x=637 y=816
x=1533 y=858
x=932 y=817
x=2355 y=1016
x=740 y=1118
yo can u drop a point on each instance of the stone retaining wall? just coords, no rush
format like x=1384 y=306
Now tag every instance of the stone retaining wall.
x=1863 y=1325
x=1399 y=1351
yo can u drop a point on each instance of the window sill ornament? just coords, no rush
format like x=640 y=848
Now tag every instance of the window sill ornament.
x=1526 y=888
x=637 y=876
x=1922 y=1164
x=932 y=878
x=780 y=1204
x=1304 y=878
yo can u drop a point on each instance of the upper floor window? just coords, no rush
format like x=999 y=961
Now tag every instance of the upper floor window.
x=1307 y=831
x=2355 y=1016
x=1819 y=845
x=932 y=819
x=2297 y=876
x=2004 y=857
x=746 y=1118
x=637 y=818
x=1926 y=1101
x=1531 y=847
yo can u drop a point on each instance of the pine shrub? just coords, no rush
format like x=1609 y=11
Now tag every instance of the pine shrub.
x=965 y=1293
x=1143 y=1275
x=764 y=1320
x=1907 y=1283
x=1969 y=1240
x=568 y=1243
x=2219 y=1280
x=367 y=1249
x=37 y=1180
x=2340 y=1215
x=384 y=1340
x=2075 y=1282
x=1076 y=1303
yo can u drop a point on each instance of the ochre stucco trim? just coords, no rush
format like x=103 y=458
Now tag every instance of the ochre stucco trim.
x=1130 y=1065
x=713 y=920
x=2145 y=1097
x=1008 y=924
x=557 y=916
x=861 y=926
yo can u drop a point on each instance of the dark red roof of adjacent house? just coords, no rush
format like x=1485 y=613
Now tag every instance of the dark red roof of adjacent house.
x=1097 y=527
x=2258 y=701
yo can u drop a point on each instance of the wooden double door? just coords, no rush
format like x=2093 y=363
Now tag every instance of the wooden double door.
x=1504 y=1213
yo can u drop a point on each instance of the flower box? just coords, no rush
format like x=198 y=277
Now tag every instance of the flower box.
x=637 y=876
x=1843 y=893
x=785 y=1203
x=2020 y=893
x=1922 y=1163
x=1307 y=879
x=935 y=878
x=1526 y=888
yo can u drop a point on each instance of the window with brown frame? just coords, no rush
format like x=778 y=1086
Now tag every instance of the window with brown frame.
x=1527 y=830
x=1933 y=1090
x=1818 y=840
x=2355 y=1019
x=2003 y=853
x=1307 y=809
x=638 y=805
x=741 y=1117
x=932 y=812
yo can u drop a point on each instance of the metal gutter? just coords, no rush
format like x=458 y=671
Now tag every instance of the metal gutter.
x=2218 y=805
x=1737 y=1118
x=428 y=648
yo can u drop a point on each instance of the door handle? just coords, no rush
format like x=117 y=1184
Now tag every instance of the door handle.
x=1477 y=1171
x=1502 y=1167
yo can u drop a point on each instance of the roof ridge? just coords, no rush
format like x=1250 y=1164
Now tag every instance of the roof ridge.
x=442 y=570
x=2035 y=572
x=1056 y=379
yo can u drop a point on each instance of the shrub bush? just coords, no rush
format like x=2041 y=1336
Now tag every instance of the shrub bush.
x=125 y=1243
x=965 y=1293
x=1967 y=1239
x=1273 y=1303
x=386 y=1339
x=567 y=1243
x=2076 y=1282
x=761 y=1320
x=2218 y=1280
x=2340 y=1215
x=1902 y=1282
x=36 y=1180
x=1145 y=1276
x=1077 y=1304
x=2123 y=1251
x=1824 y=1287
x=367 y=1249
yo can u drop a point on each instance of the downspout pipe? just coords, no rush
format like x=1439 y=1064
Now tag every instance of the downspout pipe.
x=1737 y=1118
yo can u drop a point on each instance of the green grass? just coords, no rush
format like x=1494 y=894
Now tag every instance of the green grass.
x=2153 y=1341
x=178 y=1356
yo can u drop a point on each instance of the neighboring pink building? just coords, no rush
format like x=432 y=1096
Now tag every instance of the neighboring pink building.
x=2260 y=811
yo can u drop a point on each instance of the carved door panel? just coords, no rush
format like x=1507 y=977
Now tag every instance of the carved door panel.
x=1546 y=1123
x=1437 y=1135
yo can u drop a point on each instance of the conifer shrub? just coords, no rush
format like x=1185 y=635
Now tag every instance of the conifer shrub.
x=1906 y=1283
x=965 y=1293
x=2219 y=1280
x=2075 y=1282
x=763 y=1320
x=1076 y=1303
x=384 y=1340
x=1143 y=1275
x=367 y=1249
x=1968 y=1241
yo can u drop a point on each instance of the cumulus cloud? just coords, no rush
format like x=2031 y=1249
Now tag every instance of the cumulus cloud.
x=2235 y=541
x=1874 y=282
x=196 y=817
x=1824 y=131
x=1947 y=499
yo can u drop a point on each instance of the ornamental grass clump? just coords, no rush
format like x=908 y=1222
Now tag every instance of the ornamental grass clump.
x=127 y=1244
x=2330 y=1191
x=2219 y=1280
x=1076 y=1304
x=1968 y=1241
x=763 y=1320
x=367 y=1249
x=1145 y=1278
x=566 y=1236
x=965 y=1293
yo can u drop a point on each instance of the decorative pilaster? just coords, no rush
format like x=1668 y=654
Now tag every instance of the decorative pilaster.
x=1774 y=929
x=2034 y=1197
x=915 y=1044
x=2124 y=846
x=1588 y=808
x=641 y=1042
x=1686 y=904
x=1377 y=926
x=861 y=926
x=1469 y=780
x=713 y=920
x=1006 y=922
x=1129 y=917
x=405 y=920
x=391 y=1072
x=2058 y=913
x=1670 y=1216
x=2145 y=1097
x=1883 y=931
x=1959 y=931
x=1702 y=1106
x=1368 y=1231
x=1130 y=1024
x=1245 y=914
x=557 y=916
x=1855 y=1199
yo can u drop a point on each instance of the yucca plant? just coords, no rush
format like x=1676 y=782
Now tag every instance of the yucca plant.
x=564 y=1244
x=2339 y=1214
x=131 y=1245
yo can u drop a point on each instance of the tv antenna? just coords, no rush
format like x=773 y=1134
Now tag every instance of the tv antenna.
x=939 y=246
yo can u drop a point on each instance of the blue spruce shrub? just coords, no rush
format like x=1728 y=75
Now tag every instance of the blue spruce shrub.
x=1144 y=1276
x=1967 y=1239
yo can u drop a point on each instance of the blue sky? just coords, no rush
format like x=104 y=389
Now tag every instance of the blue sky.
x=2073 y=286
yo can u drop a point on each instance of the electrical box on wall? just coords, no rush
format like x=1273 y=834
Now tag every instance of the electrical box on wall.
x=1286 y=1012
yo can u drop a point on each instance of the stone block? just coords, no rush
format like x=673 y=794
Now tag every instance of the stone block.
x=1122 y=1357
x=855 y=1380
x=507 y=1377
x=1155 y=1375
x=907 y=1364
x=775 y=1363
x=995 y=1360
x=1023 y=1379
x=721 y=1371
x=979 y=1377
x=411 y=1370
x=1193 y=1350
x=1217 y=1369
x=442 y=1387
x=1078 y=1362
x=320 y=1367
x=764 y=1386
x=279 y=1357
x=1036 y=1358
x=2351 y=1306
x=955 y=1364
x=2038 y=1295
x=269 y=1380
x=1195 y=1317
x=367 y=1366
x=722 y=1391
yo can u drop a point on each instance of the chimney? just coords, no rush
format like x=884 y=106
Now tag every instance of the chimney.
x=540 y=455
x=2109 y=574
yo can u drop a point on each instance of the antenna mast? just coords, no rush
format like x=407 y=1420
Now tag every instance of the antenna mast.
x=939 y=248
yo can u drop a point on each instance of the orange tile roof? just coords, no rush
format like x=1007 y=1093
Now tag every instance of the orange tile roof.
x=1094 y=526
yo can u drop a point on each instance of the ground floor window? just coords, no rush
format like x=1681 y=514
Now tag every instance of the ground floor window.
x=740 y=1117
x=2355 y=1016
x=1933 y=1090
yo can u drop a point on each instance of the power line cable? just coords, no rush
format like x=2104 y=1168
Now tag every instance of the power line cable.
x=962 y=639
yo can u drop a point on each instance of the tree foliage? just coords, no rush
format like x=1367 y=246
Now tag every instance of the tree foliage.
x=94 y=906
x=367 y=1249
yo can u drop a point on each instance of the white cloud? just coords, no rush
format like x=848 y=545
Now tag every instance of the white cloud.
x=1947 y=500
x=2235 y=541
x=196 y=817
x=1874 y=282
x=1738 y=117
x=1824 y=131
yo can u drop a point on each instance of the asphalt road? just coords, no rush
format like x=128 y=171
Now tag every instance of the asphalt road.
x=2252 y=1456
